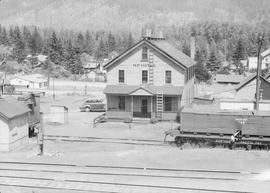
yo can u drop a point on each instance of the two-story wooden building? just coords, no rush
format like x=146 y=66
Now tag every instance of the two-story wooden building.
x=152 y=79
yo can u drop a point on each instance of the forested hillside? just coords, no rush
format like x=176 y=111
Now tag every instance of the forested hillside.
x=64 y=29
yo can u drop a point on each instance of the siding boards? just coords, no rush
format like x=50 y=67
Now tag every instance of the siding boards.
x=219 y=123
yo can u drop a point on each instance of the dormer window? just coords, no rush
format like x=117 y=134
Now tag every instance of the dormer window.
x=144 y=53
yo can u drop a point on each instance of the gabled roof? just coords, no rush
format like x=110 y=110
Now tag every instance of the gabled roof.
x=129 y=89
x=248 y=80
x=265 y=53
x=10 y=108
x=141 y=91
x=163 y=47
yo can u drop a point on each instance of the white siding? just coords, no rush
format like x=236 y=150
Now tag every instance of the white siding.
x=19 y=82
x=133 y=66
x=247 y=92
x=15 y=136
x=4 y=139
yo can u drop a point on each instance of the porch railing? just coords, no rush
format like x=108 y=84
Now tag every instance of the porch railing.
x=99 y=119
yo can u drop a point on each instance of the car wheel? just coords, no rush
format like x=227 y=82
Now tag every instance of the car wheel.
x=87 y=109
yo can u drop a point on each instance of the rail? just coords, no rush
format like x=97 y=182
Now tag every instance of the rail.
x=99 y=119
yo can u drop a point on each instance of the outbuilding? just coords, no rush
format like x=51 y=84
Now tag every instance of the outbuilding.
x=58 y=114
x=13 y=125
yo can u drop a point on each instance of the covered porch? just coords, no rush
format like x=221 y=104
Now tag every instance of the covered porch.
x=127 y=102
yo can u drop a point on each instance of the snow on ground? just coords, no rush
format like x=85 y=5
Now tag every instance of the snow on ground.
x=263 y=176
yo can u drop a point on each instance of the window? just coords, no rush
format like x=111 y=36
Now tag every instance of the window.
x=121 y=76
x=168 y=76
x=168 y=103
x=122 y=105
x=144 y=76
x=144 y=53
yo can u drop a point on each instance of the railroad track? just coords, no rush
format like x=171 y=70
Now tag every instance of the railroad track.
x=106 y=140
x=115 y=179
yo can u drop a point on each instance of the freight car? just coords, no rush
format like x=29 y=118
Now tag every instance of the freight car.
x=246 y=128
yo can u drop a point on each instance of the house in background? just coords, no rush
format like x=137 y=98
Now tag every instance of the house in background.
x=247 y=88
x=266 y=58
x=152 y=79
x=33 y=81
x=252 y=63
x=13 y=124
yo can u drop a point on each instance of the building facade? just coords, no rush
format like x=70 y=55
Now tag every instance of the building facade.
x=152 y=79
x=13 y=125
x=34 y=81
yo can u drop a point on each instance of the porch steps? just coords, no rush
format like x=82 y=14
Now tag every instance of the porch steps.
x=140 y=120
x=159 y=105
x=151 y=67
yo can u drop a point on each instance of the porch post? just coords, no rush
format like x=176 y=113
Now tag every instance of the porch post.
x=132 y=106
x=151 y=105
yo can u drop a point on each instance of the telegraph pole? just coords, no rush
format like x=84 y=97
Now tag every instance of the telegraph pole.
x=258 y=72
x=41 y=135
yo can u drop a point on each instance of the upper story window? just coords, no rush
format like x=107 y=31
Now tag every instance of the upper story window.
x=144 y=53
x=121 y=76
x=168 y=77
x=144 y=76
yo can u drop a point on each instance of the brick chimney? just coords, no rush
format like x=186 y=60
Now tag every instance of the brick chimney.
x=192 y=46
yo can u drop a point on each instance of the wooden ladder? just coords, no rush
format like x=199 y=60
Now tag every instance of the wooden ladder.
x=151 y=67
x=159 y=105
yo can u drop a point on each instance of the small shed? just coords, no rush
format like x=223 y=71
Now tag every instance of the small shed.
x=58 y=114
x=13 y=125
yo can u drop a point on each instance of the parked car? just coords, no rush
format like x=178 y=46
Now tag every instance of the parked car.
x=93 y=105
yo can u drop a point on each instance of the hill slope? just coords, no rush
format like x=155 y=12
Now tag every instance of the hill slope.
x=127 y=14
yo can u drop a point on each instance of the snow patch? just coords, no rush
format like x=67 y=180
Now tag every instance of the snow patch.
x=264 y=176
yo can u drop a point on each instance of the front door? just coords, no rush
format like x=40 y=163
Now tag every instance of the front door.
x=144 y=107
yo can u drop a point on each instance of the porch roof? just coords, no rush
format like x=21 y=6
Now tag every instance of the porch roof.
x=129 y=89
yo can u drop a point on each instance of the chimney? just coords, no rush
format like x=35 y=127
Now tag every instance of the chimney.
x=160 y=35
x=192 y=46
x=147 y=34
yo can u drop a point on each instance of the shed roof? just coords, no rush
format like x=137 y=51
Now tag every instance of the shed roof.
x=230 y=78
x=10 y=108
x=129 y=89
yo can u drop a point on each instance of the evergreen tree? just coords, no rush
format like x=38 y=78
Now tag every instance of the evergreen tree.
x=36 y=42
x=19 y=47
x=201 y=74
x=55 y=49
x=80 y=43
x=72 y=59
x=101 y=51
x=4 y=37
x=111 y=44
x=26 y=39
x=238 y=53
x=89 y=43
x=212 y=64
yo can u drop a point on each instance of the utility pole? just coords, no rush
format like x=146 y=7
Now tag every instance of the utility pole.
x=41 y=135
x=260 y=42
